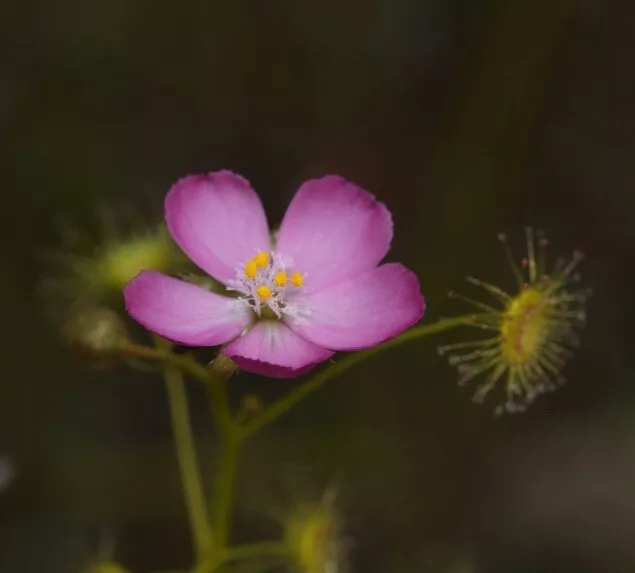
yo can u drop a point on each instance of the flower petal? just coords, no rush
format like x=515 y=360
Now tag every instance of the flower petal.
x=183 y=312
x=363 y=311
x=218 y=221
x=272 y=349
x=333 y=230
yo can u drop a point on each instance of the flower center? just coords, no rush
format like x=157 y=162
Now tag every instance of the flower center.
x=268 y=284
x=523 y=326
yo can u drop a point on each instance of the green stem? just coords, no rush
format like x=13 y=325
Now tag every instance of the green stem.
x=219 y=403
x=164 y=355
x=188 y=365
x=275 y=410
x=230 y=442
x=224 y=487
x=186 y=455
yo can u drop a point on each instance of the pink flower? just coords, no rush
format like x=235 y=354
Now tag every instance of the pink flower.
x=293 y=302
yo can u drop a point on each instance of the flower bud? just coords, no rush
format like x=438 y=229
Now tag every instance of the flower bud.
x=312 y=537
x=251 y=403
x=95 y=335
x=223 y=366
x=91 y=269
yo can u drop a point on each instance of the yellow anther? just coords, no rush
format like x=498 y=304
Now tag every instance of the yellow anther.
x=261 y=259
x=297 y=279
x=251 y=269
x=264 y=292
x=280 y=279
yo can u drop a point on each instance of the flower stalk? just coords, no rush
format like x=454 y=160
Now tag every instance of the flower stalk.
x=222 y=500
x=212 y=532
x=277 y=409
x=186 y=455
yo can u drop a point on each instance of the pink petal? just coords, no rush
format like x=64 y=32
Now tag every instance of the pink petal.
x=363 y=311
x=218 y=221
x=272 y=349
x=333 y=230
x=183 y=312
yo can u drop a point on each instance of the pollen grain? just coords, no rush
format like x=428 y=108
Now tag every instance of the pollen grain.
x=280 y=279
x=251 y=269
x=264 y=292
x=261 y=259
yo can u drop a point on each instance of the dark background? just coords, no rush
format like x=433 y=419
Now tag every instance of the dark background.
x=468 y=118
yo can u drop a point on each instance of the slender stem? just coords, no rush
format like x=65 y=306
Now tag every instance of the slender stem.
x=174 y=364
x=188 y=365
x=186 y=455
x=164 y=355
x=275 y=410
x=224 y=487
x=230 y=442
x=233 y=434
x=219 y=403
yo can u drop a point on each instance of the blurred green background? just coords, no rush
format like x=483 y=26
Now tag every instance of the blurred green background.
x=468 y=118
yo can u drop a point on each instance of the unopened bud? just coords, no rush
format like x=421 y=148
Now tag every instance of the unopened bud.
x=223 y=366
x=312 y=537
x=251 y=403
x=95 y=335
